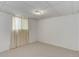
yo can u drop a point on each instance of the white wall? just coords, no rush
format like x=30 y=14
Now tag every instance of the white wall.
x=32 y=30
x=5 y=31
x=60 y=31
x=77 y=24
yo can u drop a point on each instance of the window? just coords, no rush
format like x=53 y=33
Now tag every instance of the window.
x=20 y=23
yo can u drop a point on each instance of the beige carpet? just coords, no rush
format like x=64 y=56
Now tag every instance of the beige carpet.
x=40 y=50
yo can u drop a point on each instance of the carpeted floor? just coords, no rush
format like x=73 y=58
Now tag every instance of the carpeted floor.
x=39 y=49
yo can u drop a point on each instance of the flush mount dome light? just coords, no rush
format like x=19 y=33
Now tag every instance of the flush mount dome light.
x=38 y=12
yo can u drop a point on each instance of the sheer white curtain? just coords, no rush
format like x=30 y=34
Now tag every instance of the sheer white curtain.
x=19 y=32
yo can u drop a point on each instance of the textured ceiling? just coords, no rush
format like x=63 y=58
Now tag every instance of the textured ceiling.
x=52 y=8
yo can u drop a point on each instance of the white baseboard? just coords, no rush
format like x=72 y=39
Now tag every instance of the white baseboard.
x=58 y=45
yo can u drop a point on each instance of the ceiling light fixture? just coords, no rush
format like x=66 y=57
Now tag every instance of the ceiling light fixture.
x=38 y=12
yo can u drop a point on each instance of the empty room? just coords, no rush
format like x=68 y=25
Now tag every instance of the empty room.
x=39 y=28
